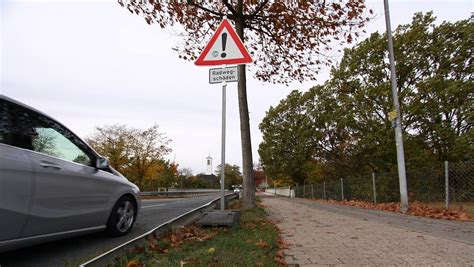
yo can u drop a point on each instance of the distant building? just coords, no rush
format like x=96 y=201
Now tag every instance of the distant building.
x=209 y=165
x=210 y=180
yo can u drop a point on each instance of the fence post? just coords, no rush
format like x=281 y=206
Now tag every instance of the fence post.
x=373 y=186
x=304 y=190
x=446 y=185
x=324 y=190
x=274 y=188
x=342 y=189
x=312 y=190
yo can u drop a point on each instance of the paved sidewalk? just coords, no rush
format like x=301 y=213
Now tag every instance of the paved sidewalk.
x=318 y=237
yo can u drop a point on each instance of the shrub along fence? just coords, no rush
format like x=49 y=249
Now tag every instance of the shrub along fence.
x=446 y=185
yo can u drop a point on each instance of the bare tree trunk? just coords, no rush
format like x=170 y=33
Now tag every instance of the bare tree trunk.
x=247 y=163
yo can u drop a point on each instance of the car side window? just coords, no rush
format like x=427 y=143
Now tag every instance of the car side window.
x=49 y=141
x=15 y=129
x=24 y=128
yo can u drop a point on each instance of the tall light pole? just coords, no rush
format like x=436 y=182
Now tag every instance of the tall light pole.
x=398 y=122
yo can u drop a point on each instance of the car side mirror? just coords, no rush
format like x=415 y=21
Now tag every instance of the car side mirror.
x=102 y=163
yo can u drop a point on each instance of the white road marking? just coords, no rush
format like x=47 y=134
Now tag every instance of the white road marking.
x=159 y=205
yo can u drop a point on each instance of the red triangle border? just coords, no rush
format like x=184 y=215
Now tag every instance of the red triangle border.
x=246 y=56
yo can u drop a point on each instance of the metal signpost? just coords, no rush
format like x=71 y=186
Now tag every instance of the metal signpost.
x=224 y=86
x=224 y=48
x=223 y=75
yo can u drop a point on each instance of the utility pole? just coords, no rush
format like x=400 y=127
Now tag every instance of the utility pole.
x=397 y=120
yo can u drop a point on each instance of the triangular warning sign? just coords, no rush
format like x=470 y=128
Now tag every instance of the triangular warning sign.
x=224 y=48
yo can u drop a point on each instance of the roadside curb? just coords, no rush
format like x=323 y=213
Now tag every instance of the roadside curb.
x=187 y=218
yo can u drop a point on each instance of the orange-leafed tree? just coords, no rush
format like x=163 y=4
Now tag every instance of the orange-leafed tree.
x=137 y=153
x=260 y=178
x=288 y=41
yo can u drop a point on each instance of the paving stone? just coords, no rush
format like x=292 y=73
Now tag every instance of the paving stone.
x=348 y=241
x=327 y=261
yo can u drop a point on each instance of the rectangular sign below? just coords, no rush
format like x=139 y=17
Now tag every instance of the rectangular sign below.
x=230 y=74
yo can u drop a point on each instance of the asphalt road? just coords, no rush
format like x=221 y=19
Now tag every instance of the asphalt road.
x=73 y=251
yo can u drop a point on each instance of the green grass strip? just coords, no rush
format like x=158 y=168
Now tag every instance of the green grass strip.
x=254 y=242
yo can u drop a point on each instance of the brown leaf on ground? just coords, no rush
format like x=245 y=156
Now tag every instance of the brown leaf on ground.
x=138 y=249
x=416 y=209
x=280 y=259
x=250 y=225
x=421 y=209
x=285 y=245
x=174 y=240
x=236 y=205
x=134 y=263
x=262 y=244
x=153 y=243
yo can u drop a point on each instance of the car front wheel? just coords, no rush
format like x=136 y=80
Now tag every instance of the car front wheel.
x=123 y=217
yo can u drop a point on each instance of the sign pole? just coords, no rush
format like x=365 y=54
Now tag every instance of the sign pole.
x=224 y=86
x=224 y=48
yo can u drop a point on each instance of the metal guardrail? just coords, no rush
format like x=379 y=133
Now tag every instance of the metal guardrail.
x=185 y=219
x=183 y=193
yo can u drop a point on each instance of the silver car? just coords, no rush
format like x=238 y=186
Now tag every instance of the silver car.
x=53 y=184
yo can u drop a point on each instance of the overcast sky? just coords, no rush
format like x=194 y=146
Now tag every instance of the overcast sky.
x=91 y=63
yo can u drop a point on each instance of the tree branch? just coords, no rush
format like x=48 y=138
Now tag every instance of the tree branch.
x=258 y=9
x=204 y=8
x=230 y=7
x=259 y=30
x=240 y=7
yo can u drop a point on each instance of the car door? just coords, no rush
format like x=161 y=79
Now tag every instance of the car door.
x=70 y=193
x=16 y=175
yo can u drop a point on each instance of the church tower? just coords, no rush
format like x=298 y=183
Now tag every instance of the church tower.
x=209 y=165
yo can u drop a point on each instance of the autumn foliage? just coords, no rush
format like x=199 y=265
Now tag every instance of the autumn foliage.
x=341 y=129
x=138 y=154
x=259 y=176
x=287 y=40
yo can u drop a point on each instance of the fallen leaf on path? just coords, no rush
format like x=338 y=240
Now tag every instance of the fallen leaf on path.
x=416 y=208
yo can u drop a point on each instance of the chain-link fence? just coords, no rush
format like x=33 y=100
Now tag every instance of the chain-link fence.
x=461 y=183
x=446 y=185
